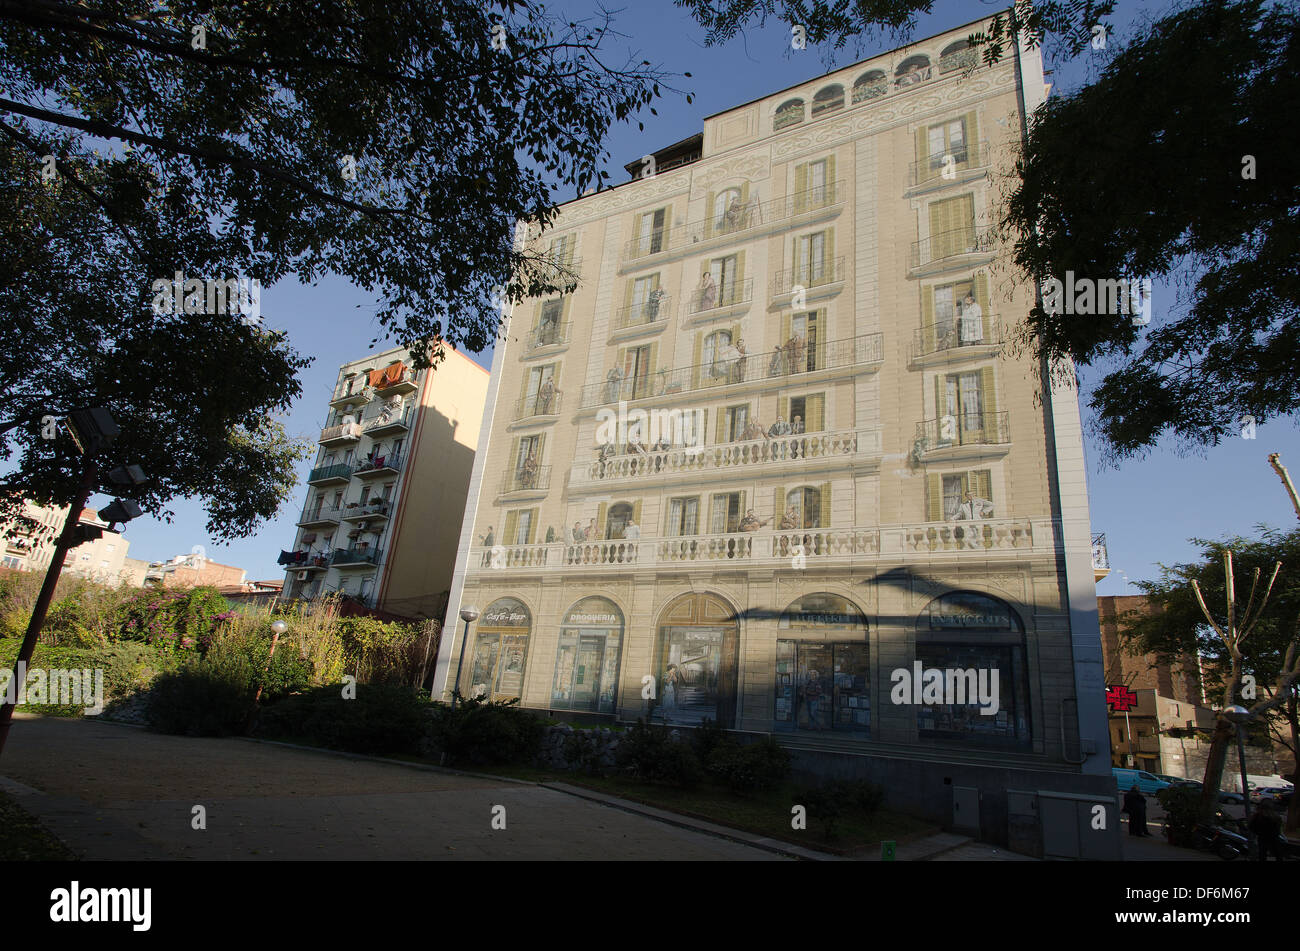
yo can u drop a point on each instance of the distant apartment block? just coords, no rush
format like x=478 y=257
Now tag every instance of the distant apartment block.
x=31 y=549
x=386 y=494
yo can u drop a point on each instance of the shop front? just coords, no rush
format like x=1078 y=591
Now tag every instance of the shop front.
x=697 y=650
x=587 y=659
x=501 y=651
x=823 y=661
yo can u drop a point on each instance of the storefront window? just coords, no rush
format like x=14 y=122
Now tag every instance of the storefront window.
x=586 y=664
x=698 y=642
x=501 y=651
x=823 y=682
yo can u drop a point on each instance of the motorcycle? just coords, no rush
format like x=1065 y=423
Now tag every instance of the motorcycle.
x=1223 y=842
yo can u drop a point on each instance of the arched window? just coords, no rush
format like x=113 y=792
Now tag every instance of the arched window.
x=721 y=203
x=959 y=55
x=828 y=98
x=586 y=662
x=788 y=113
x=870 y=85
x=500 y=652
x=697 y=657
x=619 y=515
x=823 y=666
x=804 y=507
x=914 y=69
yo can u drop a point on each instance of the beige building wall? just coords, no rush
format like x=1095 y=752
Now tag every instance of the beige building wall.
x=927 y=469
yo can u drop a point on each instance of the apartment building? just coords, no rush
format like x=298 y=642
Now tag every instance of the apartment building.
x=772 y=452
x=387 y=491
x=31 y=548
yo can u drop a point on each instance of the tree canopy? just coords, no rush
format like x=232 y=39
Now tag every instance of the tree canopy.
x=394 y=143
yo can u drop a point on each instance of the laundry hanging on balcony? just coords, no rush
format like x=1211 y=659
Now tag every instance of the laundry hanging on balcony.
x=388 y=376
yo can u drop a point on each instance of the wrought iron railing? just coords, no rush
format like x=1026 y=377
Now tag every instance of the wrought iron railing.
x=955 y=334
x=657 y=307
x=935 y=167
x=538 y=405
x=522 y=478
x=950 y=244
x=340 y=470
x=728 y=294
x=962 y=429
x=808 y=275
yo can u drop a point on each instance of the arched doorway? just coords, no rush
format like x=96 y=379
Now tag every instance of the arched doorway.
x=500 y=651
x=697 y=652
x=823 y=666
x=586 y=662
x=977 y=642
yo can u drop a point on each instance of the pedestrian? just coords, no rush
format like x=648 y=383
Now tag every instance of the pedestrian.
x=1267 y=828
x=1135 y=804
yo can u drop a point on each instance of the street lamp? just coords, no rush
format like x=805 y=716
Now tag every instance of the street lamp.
x=468 y=615
x=278 y=627
x=1239 y=716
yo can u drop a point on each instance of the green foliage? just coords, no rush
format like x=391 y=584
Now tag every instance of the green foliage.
x=380 y=720
x=481 y=732
x=753 y=768
x=387 y=652
x=212 y=697
x=648 y=752
x=835 y=799
x=185 y=619
x=1182 y=806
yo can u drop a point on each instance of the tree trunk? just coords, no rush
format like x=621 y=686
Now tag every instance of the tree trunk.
x=1293 y=808
x=1224 y=732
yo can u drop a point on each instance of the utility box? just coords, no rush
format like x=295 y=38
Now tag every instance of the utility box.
x=1076 y=826
x=966 y=809
x=1024 y=830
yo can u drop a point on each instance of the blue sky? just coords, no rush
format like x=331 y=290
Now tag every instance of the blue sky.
x=1148 y=508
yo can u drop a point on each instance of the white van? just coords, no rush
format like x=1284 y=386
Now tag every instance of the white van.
x=1233 y=783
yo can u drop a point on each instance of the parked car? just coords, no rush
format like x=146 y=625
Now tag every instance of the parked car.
x=1171 y=780
x=1231 y=798
x=1278 y=796
x=1146 y=782
x=1188 y=784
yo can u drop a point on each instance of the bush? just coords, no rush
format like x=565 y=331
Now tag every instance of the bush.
x=649 y=753
x=1182 y=805
x=706 y=738
x=757 y=767
x=203 y=698
x=379 y=720
x=482 y=732
x=173 y=620
x=831 y=801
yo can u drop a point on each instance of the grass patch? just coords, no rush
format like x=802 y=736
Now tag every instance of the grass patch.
x=24 y=839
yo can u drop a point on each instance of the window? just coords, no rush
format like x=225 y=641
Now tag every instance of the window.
x=810 y=259
x=807 y=414
x=620 y=514
x=952 y=227
x=959 y=55
x=722 y=203
x=804 y=505
x=645 y=300
x=540 y=390
x=586 y=664
x=734 y=421
x=788 y=113
x=947 y=139
x=365 y=494
x=548 y=325
x=683 y=516
x=650 y=231
x=870 y=85
x=562 y=250
x=961 y=496
x=723 y=271
x=828 y=99
x=711 y=357
x=725 y=516
x=636 y=372
x=914 y=69
x=520 y=526
x=802 y=345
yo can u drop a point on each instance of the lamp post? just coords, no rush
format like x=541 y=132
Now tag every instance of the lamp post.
x=468 y=615
x=1239 y=716
x=278 y=627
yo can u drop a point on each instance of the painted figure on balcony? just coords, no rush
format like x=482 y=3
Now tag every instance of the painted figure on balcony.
x=776 y=363
x=794 y=352
x=779 y=428
x=652 y=304
x=751 y=522
x=489 y=539
x=753 y=430
x=973 y=507
x=707 y=292
x=972 y=322
x=790 y=519
x=545 y=398
x=613 y=385
x=577 y=534
x=528 y=472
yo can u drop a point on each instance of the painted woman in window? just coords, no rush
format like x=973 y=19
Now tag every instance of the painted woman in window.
x=707 y=292
x=972 y=322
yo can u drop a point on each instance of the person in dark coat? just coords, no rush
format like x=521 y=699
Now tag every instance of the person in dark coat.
x=1135 y=804
x=1267 y=828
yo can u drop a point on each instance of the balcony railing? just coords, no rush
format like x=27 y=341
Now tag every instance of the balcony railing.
x=343 y=432
x=359 y=510
x=388 y=421
x=549 y=335
x=954 y=336
x=538 y=405
x=870 y=90
x=831 y=354
x=962 y=429
x=730 y=294
x=341 y=471
x=964 y=59
x=808 y=275
x=359 y=394
x=969 y=539
x=314 y=514
x=645 y=312
x=1100 y=554
x=978 y=239
x=781 y=450
x=378 y=466
x=975 y=155
x=354 y=557
x=518 y=480
x=753 y=215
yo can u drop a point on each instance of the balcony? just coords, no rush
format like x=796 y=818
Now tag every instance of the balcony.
x=389 y=423
x=783 y=452
x=537 y=479
x=647 y=314
x=327 y=475
x=730 y=299
x=532 y=407
x=1009 y=539
x=380 y=466
x=349 y=558
x=340 y=435
x=548 y=334
x=562 y=274
x=946 y=436
x=754 y=219
x=942 y=342
x=407 y=382
x=343 y=400
x=968 y=162
x=750 y=368
x=961 y=247
x=963 y=59
x=319 y=515
x=365 y=511
x=1100 y=556
x=816 y=278
x=309 y=562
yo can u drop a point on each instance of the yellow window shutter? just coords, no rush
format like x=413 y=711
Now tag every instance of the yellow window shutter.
x=815 y=406
x=982 y=297
x=709 y=213
x=940 y=401
x=742 y=505
x=740 y=272
x=928 y=340
x=936 y=497
x=532 y=526
x=923 y=172
x=778 y=503
x=988 y=395
x=695 y=360
x=514 y=454
x=602 y=530
x=653 y=366
x=983 y=484
x=719 y=423
x=512 y=521
x=831 y=274
x=541 y=447
x=668 y=223
x=972 y=139
x=831 y=195
x=627 y=297
x=825 y=515
x=966 y=209
x=800 y=187
x=636 y=512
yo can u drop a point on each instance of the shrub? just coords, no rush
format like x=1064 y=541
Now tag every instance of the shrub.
x=388 y=652
x=649 y=752
x=831 y=801
x=203 y=698
x=173 y=620
x=1182 y=805
x=706 y=738
x=484 y=732
x=380 y=719
x=757 y=767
